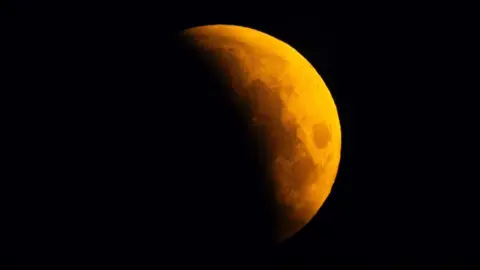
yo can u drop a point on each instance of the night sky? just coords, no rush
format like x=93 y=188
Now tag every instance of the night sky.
x=404 y=195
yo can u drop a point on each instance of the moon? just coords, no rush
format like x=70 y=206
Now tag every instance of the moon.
x=288 y=105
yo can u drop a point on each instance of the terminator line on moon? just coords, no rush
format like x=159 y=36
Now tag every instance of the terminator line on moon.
x=288 y=100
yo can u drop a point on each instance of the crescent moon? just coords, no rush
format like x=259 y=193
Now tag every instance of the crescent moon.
x=290 y=104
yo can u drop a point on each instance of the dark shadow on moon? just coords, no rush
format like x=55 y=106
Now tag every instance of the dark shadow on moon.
x=227 y=200
x=180 y=170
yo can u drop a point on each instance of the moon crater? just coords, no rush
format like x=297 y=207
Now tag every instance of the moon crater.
x=321 y=135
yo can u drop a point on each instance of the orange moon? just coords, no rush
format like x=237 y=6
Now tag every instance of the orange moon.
x=290 y=104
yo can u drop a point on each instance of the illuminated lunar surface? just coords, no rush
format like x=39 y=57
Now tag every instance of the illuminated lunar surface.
x=289 y=106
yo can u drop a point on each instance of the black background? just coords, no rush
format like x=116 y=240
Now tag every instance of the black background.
x=405 y=192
